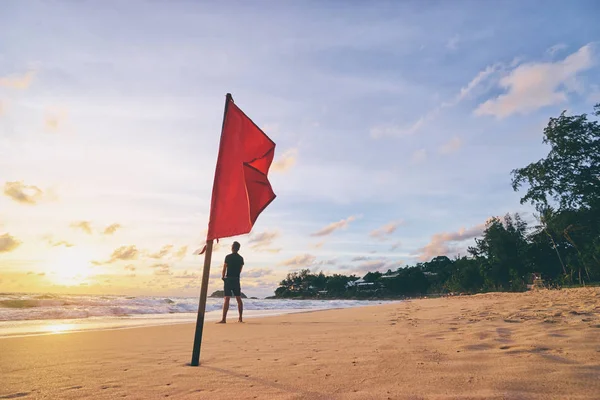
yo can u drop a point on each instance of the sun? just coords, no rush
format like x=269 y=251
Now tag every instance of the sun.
x=70 y=267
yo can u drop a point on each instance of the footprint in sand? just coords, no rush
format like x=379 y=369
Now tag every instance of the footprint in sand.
x=15 y=395
x=505 y=335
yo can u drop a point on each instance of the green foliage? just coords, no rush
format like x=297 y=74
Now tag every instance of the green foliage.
x=569 y=175
x=564 y=247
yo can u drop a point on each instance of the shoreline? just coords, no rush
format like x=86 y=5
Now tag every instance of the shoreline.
x=28 y=328
x=532 y=345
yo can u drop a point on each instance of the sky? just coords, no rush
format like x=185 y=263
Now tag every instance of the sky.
x=397 y=125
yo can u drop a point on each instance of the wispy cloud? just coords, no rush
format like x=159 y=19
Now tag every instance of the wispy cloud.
x=299 y=261
x=334 y=226
x=380 y=131
x=163 y=252
x=123 y=253
x=396 y=246
x=187 y=275
x=109 y=230
x=16 y=81
x=55 y=119
x=58 y=243
x=130 y=267
x=385 y=230
x=440 y=243
x=8 y=243
x=452 y=146
x=181 y=253
x=162 y=269
x=378 y=265
x=317 y=245
x=395 y=130
x=535 y=85
x=556 y=49
x=22 y=193
x=286 y=161
x=85 y=226
x=260 y=241
x=257 y=273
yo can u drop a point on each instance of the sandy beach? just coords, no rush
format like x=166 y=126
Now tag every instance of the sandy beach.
x=535 y=345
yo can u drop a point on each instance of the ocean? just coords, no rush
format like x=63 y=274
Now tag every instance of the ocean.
x=37 y=314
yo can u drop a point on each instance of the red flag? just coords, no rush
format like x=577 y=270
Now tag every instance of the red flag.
x=241 y=190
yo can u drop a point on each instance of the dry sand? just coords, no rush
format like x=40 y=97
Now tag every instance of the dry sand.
x=536 y=345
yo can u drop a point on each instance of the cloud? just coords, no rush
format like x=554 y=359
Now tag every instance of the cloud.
x=22 y=193
x=440 y=243
x=396 y=246
x=85 y=226
x=261 y=240
x=556 y=48
x=360 y=258
x=419 y=156
x=180 y=254
x=286 y=161
x=162 y=269
x=452 y=43
x=372 y=265
x=327 y=262
x=188 y=275
x=380 y=131
x=8 y=243
x=162 y=252
x=112 y=229
x=334 y=226
x=480 y=78
x=17 y=82
x=130 y=267
x=2 y=107
x=452 y=146
x=379 y=265
x=55 y=120
x=386 y=230
x=123 y=253
x=257 y=273
x=395 y=130
x=299 y=261
x=317 y=245
x=535 y=85
x=59 y=243
x=271 y=129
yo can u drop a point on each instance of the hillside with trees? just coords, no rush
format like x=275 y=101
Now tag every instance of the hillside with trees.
x=561 y=249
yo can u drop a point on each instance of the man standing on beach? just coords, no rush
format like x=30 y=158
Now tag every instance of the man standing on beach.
x=231 y=276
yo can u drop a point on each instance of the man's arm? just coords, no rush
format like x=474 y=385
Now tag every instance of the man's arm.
x=224 y=270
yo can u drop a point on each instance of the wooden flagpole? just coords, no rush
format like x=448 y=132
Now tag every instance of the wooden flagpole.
x=205 y=273
x=202 y=305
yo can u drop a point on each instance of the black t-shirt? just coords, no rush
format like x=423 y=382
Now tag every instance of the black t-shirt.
x=234 y=265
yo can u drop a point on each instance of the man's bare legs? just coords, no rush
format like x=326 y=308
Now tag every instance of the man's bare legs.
x=225 y=309
x=240 y=307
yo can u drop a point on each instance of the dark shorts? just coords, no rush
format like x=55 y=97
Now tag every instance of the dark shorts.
x=232 y=285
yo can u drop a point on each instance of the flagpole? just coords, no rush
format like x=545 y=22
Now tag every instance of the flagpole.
x=202 y=305
x=205 y=275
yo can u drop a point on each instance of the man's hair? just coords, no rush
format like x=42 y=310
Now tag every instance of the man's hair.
x=236 y=246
